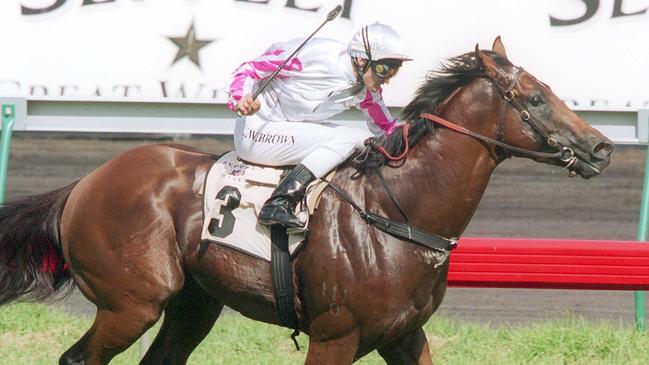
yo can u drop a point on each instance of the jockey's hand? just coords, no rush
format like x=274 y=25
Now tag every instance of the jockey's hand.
x=247 y=106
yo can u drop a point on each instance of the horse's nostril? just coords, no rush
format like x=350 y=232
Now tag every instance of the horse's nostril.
x=602 y=149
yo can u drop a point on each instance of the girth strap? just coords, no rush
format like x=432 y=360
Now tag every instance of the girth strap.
x=281 y=273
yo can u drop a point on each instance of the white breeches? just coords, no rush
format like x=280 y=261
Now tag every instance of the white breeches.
x=320 y=147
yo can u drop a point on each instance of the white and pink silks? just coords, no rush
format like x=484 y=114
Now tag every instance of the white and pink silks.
x=293 y=125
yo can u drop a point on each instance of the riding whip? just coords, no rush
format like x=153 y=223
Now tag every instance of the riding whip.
x=331 y=16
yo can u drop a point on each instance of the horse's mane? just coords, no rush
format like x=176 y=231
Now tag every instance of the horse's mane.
x=456 y=72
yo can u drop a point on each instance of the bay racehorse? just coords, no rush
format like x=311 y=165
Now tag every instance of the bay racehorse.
x=127 y=235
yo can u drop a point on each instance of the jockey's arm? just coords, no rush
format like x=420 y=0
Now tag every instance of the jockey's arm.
x=247 y=106
x=379 y=119
x=242 y=81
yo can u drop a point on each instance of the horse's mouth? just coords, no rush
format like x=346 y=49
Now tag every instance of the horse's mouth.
x=586 y=169
x=586 y=164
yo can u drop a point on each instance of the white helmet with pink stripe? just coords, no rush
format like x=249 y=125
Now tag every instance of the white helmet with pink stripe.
x=377 y=41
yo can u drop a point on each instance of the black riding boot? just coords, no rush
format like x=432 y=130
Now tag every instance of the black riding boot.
x=291 y=189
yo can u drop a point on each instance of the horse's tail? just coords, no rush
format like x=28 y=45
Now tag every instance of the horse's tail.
x=32 y=266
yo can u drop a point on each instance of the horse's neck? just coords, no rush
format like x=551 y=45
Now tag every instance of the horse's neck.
x=441 y=193
x=442 y=182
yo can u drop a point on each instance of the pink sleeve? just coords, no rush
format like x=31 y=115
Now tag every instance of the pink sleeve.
x=242 y=80
x=376 y=112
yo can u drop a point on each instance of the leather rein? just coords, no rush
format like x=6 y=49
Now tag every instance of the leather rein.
x=565 y=154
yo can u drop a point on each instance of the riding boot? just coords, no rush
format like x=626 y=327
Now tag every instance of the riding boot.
x=279 y=208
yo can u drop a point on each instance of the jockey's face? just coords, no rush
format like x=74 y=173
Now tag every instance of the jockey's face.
x=371 y=83
x=380 y=72
x=385 y=69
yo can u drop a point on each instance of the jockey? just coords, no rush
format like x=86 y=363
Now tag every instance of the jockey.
x=289 y=123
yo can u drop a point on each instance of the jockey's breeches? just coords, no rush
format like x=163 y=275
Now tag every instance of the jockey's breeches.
x=318 y=146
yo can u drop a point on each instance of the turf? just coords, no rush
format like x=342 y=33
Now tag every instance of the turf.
x=39 y=334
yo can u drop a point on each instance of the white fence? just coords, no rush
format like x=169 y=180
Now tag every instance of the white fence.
x=119 y=116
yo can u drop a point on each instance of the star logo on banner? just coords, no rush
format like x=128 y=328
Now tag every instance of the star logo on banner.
x=188 y=46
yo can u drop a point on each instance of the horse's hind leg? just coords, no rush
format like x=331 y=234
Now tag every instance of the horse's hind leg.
x=112 y=332
x=188 y=319
x=409 y=350
x=129 y=290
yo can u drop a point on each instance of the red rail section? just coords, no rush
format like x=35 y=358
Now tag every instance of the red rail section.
x=549 y=264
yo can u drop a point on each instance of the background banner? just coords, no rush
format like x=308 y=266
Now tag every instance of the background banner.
x=594 y=53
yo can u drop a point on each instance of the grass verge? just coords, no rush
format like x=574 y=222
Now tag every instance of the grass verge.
x=38 y=334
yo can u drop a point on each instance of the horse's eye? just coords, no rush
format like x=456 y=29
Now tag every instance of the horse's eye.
x=536 y=100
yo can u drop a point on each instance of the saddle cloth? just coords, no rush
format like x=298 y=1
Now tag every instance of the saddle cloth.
x=233 y=194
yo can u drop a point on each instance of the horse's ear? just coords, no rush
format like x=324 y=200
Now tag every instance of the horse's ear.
x=489 y=66
x=499 y=47
x=477 y=53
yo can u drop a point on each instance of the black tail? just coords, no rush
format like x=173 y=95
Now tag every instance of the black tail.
x=32 y=267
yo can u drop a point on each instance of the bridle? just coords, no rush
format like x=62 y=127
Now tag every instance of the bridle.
x=565 y=154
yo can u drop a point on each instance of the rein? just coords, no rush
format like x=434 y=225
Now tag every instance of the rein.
x=566 y=154
x=386 y=154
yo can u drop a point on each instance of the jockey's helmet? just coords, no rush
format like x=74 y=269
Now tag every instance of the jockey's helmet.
x=377 y=41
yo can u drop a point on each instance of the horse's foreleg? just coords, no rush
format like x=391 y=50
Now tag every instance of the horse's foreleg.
x=409 y=350
x=339 y=351
x=188 y=319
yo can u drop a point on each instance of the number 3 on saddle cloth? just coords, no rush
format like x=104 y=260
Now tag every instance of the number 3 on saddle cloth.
x=233 y=194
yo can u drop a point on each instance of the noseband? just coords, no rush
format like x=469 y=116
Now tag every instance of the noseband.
x=565 y=154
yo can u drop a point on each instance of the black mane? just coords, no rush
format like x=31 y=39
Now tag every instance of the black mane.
x=439 y=84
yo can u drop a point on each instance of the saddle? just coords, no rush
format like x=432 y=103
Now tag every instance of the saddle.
x=233 y=193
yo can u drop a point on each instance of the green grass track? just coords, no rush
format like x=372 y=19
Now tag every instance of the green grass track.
x=36 y=334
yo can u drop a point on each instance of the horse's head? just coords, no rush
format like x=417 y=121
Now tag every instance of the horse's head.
x=535 y=119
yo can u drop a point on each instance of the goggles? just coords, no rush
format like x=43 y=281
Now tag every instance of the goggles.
x=384 y=70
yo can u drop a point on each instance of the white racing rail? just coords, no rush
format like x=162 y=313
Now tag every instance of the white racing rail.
x=627 y=126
